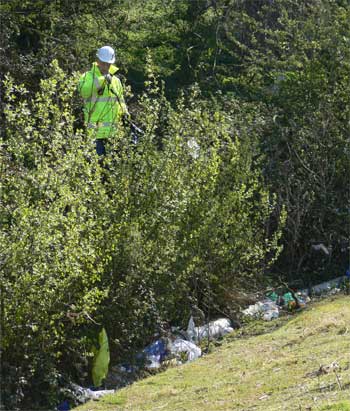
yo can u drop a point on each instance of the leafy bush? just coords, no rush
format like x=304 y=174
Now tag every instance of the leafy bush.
x=132 y=241
x=51 y=253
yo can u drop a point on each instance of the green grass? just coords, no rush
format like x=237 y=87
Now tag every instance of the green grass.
x=274 y=370
x=340 y=406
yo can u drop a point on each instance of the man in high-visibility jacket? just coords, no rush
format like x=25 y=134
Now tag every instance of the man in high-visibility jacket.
x=102 y=92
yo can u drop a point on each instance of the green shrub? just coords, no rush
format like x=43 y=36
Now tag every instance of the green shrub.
x=130 y=243
x=51 y=237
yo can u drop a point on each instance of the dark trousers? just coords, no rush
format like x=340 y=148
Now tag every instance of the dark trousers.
x=100 y=147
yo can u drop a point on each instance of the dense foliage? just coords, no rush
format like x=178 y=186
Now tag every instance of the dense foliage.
x=245 y=109
x=130 y=242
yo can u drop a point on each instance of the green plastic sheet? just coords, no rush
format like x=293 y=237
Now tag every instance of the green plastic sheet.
x=101 y=359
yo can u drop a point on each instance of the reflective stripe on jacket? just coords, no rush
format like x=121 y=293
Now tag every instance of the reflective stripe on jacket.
x=103 y=102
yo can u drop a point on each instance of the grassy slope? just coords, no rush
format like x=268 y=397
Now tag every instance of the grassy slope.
x=270 y=371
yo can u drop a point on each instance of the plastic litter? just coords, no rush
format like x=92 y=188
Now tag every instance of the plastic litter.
x=287 y=300
x=85 y=394
x=122 y=375
x=155 y=353
x=127 y=368
x=266 y=309
x=332 y=286
x=194 y=148
x=152 y=357
x=64 y=406
x=320 y=247
x=347 y=273
x=212 y=330
x=303 y=299
x=101 y=358
x=273 y=296
x=96 y=395
x=179 y=346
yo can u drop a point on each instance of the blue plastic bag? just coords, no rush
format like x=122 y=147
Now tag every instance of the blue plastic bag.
x=155 y=353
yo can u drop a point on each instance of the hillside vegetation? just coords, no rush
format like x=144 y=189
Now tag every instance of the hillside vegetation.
x=280 y=369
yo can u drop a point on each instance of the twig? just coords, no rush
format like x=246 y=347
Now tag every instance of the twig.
x=338 y=380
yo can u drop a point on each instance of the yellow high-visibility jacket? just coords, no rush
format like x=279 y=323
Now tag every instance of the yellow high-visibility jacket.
x=103 y=103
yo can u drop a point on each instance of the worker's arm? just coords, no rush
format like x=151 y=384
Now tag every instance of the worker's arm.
x=90 y=85
x=118 y=91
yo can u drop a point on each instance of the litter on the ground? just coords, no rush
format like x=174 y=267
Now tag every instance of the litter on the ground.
x=179 y=347
x=327 y=287
x=155 y=353
x=84 y=394
x=324 y=369
x=288 y=300
x=303 y=299
x=212 y=330
x=266 y=309
x=64 y=406
x=101 y=358
x=122 y=375
x=269 y=308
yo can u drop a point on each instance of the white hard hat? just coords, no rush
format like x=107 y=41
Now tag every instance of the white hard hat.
x=106 y=54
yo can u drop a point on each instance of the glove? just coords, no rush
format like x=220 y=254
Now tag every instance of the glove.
x=126 y=119
x=108 y=78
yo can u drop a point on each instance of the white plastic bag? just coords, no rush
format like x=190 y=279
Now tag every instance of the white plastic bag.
x=214 y=329
x=182 y=346
x=86 y=394
x=266 y=309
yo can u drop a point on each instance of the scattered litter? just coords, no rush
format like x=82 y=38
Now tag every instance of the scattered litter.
x=266 y=309
x=179 y=346
x=264 y=397
x=289 y=300
x=194 y=148
x=177 y=332
x=320 y=247
x=164 y=348
x=155 y=353
x=75 y=394
x=101 y=359
x=303 y=299
x=324 y=369
x=329 y=287
x=85 y=394
x=347 y=273
x=212 y=330
x=120 y=376
x=64 y=406
x=184 y=350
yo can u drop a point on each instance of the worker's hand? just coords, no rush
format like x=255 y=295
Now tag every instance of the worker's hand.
x=108 y=78
x=126 y=119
